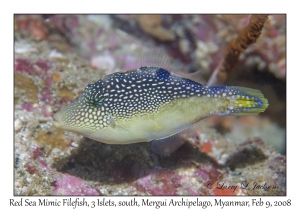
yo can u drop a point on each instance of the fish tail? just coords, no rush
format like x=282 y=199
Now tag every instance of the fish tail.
x=248 y=101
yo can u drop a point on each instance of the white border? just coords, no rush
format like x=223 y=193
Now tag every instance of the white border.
x=154 y=6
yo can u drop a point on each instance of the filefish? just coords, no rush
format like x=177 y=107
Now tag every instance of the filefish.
x=152 y=103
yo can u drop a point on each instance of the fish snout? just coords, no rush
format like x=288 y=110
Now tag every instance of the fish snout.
x=56 y=120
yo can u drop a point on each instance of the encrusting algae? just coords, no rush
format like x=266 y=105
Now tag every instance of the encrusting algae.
x=152 y=102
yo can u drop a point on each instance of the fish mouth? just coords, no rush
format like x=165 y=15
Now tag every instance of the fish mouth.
x=56 y=122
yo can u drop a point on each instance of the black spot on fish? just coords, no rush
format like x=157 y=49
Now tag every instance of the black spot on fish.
x=162 y=74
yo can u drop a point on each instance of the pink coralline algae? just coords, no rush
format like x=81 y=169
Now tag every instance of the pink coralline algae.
x=201 y=174
x=23 y=65
x=45 y=109
x=46 y=96
x=191 y=192
x=163 y=182
x=65 y=24
x=70 y=185
x=31 y=68
x=27 y=106
x=31 y=168
x=48 y=81
x=36 y=153
x=170 y=182
x=208 y=174
x=43 y=165
x=43 y=65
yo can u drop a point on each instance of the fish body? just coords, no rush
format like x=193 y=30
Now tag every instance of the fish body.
x=151 y=103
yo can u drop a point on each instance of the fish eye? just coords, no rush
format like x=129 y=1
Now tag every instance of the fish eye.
x=92 y=96
x=96 y=102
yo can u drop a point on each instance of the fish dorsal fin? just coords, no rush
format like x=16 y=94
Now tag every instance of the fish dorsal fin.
x=196 y=76
x=167 y=145
x=156 y=58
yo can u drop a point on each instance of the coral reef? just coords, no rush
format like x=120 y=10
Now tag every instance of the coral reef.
x=246 y=37
x=56 y=56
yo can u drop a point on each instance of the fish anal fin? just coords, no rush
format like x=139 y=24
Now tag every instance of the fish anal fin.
x=192 y=133
x=167 y=145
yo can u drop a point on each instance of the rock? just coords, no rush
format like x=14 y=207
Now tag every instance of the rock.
x=150 y=24
x=18 y=125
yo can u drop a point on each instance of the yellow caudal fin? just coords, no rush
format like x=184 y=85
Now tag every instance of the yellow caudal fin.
x=249 y=101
